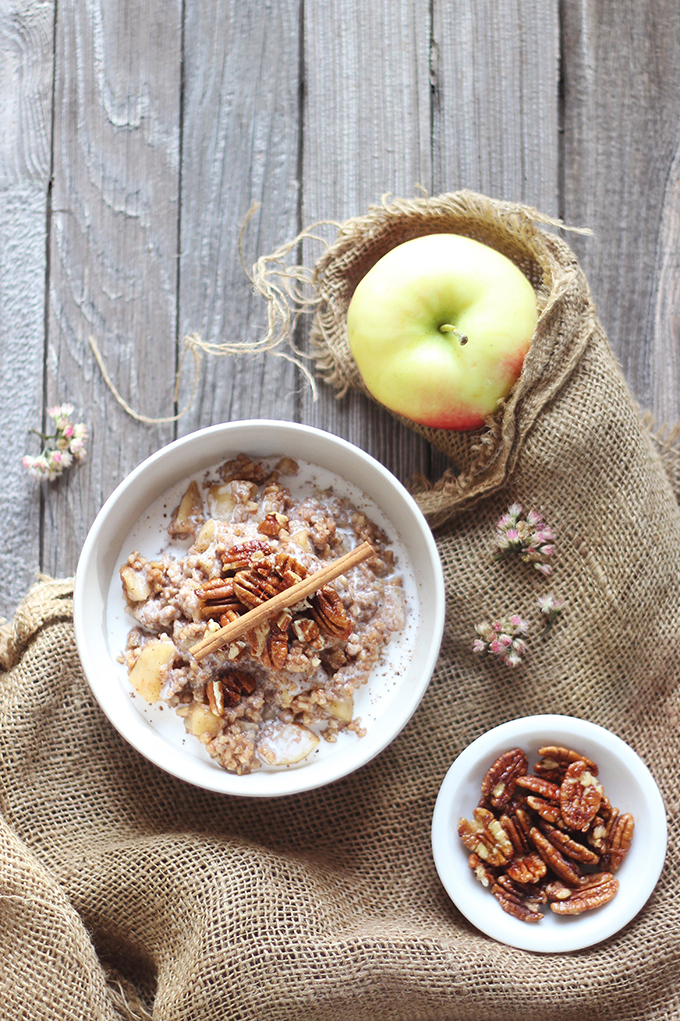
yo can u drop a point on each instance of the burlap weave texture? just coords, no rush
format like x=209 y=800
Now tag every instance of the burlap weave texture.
x=126 y=893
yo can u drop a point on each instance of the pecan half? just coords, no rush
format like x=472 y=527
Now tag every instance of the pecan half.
x=515 y=905
x=580 y=796
x=619 y=842
x=484 y=836
x=272 y=524
x=237 y=557
x=586 y=898
x=516 y=832
x=548 y=810
x=327 y=610
x=562 y=758
x=567 y=845
x=527 y=869
x=500 y=779
x=561 y=866
x=482 y=872
x=253 y=587
x=537 y=785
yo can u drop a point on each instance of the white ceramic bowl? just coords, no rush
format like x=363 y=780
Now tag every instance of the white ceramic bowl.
x=132 y=518
x=627 y=783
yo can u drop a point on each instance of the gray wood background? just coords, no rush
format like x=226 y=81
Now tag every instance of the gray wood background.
x=135 y=136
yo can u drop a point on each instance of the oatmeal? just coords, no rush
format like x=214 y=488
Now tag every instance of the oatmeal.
x=266 y=699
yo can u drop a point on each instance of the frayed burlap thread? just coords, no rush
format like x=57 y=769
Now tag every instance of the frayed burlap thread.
x=126 y=893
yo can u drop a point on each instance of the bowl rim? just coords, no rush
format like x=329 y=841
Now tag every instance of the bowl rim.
x=90 y=593
x=450 y=856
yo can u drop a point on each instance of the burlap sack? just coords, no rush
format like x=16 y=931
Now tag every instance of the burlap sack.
x=127 y=894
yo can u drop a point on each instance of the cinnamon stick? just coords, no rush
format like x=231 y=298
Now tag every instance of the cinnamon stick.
x=289 y=597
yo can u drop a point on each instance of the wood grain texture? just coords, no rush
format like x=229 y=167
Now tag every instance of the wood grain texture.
x=26 y=66
x=496 y=98
x=366 y=133
x=113 y=244
x=621 y=142
x=240 y=147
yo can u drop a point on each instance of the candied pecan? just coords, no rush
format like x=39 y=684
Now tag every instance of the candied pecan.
x=548 y=810
x=230 y=613
x=564 y=757
x=586 y=898
x=485 y=836
x=235 y=684
x=526 y=869
x=580 y=796
x=242 y=468
x=619 y=842
x=516 y=832
x=237 y=557
x=500 y=778
x=537 y=785
x=216 y=588
x=557 y=890
x=567 y=845
x=600 y=829
x=215 y=694
x=327 y=610
x=275 y=651
x=531 y=892
x=289 y=567
x=307 y=632
x=561 y=866
x=515 y=905
x=272 y=524
x=257 y=638
x=482 y=872
x=254 y=588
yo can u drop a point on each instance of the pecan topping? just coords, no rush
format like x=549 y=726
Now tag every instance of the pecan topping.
x=499 y=782
x=253 y=587
x=580 y=796
x=240 y=556
x=327 y=610
x=227 y=691
x=272 y=524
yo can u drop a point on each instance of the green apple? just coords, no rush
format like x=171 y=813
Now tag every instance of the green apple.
x=439 y=329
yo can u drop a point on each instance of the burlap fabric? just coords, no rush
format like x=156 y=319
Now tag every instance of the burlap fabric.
x=127 y=894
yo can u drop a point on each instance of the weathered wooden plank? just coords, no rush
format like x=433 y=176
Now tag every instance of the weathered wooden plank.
x=621 y=144
x=366 y=133
x=495 y=101
x=113 y=243
x=26 y=46
x=240 y=146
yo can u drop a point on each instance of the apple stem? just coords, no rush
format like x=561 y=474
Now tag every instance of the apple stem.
x=448 y=328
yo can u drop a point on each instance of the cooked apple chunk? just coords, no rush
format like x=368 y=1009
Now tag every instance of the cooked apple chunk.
x=188 y=517
x=202 y=722
x=151 y=669
x=135 y=583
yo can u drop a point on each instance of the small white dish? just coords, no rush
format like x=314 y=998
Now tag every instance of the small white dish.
x=137 y=513
x=627 y=783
